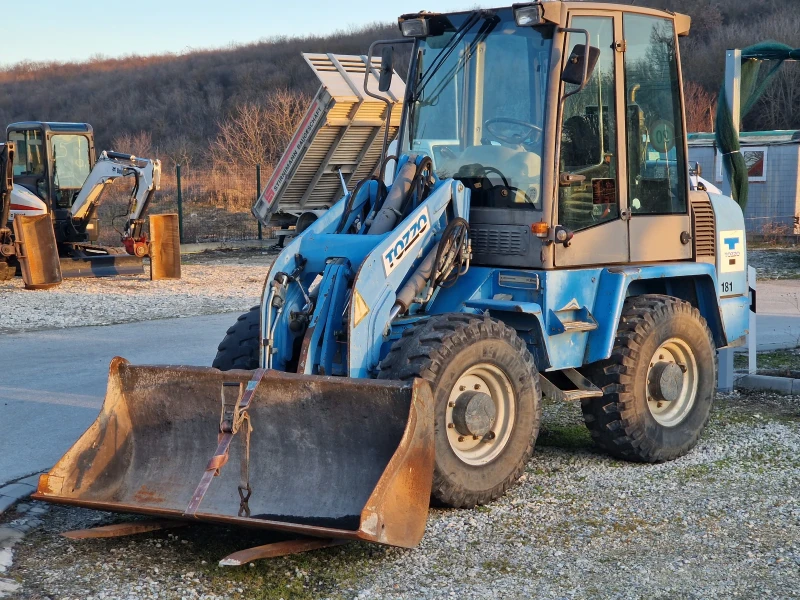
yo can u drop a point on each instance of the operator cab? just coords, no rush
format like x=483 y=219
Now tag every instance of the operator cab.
x=565 y=122
x=52 y=160
x=479 y=111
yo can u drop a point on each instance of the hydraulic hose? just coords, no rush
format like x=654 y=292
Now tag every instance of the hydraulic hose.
x=415 y=283
x=390 y=212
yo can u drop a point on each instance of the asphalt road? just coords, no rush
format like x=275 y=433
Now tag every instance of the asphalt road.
x=778 y=324
x=52 y=383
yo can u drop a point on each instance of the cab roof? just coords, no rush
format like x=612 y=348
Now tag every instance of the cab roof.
x=555 y=11
x=51 y=126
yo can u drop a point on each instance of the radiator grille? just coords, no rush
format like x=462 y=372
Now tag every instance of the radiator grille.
x=704 y=228
x=493 y=239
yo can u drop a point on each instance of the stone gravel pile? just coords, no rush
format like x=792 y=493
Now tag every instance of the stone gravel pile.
x=722 y=522
x=203 y=289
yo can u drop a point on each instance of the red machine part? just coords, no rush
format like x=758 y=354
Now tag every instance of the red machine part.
x=137 y=246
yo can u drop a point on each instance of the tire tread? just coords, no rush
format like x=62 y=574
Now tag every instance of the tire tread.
x=421 y=352
x=609 y=418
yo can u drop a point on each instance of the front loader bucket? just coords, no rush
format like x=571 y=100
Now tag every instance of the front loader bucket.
x=329 y=457
x=37 y=251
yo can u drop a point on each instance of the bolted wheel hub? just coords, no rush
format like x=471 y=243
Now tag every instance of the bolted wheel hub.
x=474 y=413
x=665 y=381
x=672 y=382
x=480 y=414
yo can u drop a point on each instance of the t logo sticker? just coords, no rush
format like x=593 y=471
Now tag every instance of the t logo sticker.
x=731 y=250
x=731 y=242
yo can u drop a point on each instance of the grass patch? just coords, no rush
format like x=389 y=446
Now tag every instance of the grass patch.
x=782 y=360
x=572 y=437
x=693 y=473
x=501 y=565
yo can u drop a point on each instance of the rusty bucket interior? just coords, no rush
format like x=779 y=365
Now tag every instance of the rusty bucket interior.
x=165 y=247
x=329 y=457
x=37 y=251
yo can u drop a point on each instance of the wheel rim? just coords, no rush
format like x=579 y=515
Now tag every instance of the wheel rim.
x=671 y=412
x=492 y=380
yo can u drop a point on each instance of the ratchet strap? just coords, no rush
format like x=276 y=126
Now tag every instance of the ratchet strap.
x=233 y=417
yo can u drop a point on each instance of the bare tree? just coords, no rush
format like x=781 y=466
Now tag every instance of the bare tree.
x=180 y=151
x=701 y=107
x=138 y=144
x=259 y=133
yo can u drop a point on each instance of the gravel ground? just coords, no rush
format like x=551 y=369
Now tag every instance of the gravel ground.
x=722 y=522
x=211 y=283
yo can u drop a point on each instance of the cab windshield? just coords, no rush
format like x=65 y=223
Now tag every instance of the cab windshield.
x=478 y=107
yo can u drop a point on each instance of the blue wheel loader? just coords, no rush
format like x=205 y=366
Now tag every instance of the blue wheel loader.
x=535 y=233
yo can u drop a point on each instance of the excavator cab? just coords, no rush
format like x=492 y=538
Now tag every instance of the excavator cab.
x=52 y=161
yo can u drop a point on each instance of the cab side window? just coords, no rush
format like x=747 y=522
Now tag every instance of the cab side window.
x=588 y=130
x=656 y=162
x=29 y=156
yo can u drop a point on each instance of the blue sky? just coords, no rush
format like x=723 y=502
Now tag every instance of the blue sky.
x=67 y=30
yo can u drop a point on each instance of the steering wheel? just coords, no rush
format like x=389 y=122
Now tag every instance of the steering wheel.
x=511 y=139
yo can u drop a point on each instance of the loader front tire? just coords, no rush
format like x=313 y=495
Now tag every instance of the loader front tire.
x=487 y=402
x=240 y=347
x=659 y=382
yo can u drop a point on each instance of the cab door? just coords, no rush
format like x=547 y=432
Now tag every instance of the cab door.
x=657 y=183
x=592 y=197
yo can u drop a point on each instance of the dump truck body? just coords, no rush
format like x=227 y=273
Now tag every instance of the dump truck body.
x=337 y=144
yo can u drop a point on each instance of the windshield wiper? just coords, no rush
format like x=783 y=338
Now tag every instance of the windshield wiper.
x=482 y=34
x=447 y=50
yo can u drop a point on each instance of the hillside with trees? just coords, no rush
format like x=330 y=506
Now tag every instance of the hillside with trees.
x=175 y=106
x=191 y=108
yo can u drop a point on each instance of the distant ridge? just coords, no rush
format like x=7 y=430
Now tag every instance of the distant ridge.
x=169 y=96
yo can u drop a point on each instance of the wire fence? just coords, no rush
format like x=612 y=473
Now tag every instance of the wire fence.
x=213 y=204
x=775 y=229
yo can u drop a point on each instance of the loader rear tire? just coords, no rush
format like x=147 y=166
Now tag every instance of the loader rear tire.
x=239 y=348
x=635 y=420
x=472 y=363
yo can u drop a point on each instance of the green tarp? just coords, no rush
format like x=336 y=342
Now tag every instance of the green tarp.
x=751 y=91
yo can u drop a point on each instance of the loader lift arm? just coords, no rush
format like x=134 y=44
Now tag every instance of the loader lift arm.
x=109 y=167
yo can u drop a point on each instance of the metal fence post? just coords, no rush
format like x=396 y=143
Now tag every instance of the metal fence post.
x=180 y=202
x=752 y=336
x=258 y=195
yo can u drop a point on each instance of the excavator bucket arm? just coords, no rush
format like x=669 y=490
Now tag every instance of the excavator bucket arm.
x=326 y=457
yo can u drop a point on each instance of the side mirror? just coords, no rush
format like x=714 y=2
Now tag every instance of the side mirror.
x=580 y=65
x=387 y=69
